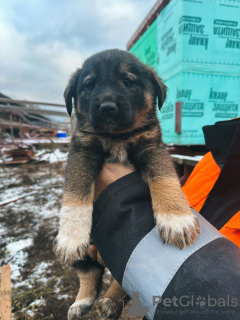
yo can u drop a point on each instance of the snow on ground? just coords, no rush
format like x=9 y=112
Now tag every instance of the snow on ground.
x=35 y=208
x=27 y=229
x=55 y=156
x=42 y=288
x=16 y=257
x=14 y=247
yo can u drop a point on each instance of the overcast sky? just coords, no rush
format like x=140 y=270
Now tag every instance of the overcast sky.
x=43 y=41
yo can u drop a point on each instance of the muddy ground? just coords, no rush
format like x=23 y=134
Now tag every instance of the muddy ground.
x=41 y=287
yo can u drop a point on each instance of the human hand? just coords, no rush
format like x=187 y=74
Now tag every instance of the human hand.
x=110 y=173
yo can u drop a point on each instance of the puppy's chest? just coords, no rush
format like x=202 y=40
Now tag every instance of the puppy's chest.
x=117 y=153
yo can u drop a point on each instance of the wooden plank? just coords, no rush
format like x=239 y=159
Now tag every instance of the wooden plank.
x=5 y=294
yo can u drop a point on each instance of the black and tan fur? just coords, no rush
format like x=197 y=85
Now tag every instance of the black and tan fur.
x=115 y=104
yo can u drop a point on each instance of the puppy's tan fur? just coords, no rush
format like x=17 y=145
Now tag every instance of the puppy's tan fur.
x=130 y=134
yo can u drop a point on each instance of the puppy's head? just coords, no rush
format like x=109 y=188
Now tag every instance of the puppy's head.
x=113 y=91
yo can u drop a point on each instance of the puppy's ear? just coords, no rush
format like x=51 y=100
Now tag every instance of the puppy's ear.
x=69 y=92
x=160 y=88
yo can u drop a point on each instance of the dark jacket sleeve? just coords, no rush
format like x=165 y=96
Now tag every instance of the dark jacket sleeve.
x=223 y=201
x=122 y=217
x=193 y=283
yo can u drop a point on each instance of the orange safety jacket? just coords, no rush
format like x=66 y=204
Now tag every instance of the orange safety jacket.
x=214 y=187
x=197 y=188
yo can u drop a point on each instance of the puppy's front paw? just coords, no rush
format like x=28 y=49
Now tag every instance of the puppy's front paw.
x=69 y=249
x=178 y=230
x=79 y=308
x=73 y=239
x=106 y=309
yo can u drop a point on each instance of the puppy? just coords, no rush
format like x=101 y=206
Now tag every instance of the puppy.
x=115 y=105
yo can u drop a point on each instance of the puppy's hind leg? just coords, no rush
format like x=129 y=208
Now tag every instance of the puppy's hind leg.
x=112 y=303
x=90 y=275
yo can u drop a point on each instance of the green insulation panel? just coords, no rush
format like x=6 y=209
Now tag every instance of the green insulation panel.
x=205 y=99
x=146 y=47
x=205 y=33
x=195 y=48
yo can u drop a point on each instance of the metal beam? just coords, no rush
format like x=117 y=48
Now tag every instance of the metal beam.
x=5 y=124
x=28 y=110
x=24 y=102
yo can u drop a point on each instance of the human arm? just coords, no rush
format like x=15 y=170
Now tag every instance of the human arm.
x=124 y=233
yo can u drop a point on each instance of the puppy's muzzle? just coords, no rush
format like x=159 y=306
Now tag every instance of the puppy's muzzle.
x=108 y=109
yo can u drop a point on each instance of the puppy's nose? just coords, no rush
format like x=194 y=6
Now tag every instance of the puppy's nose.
x=108 y=108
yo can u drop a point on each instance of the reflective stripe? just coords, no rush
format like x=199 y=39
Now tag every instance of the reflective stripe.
x=152 y=265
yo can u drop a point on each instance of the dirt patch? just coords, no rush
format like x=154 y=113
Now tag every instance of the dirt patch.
x=42 y=288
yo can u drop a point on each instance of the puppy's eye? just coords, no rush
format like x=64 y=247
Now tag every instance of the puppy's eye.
x=90 y=85
x=127 y=82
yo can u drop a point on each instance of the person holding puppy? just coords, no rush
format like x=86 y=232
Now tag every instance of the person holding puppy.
x=210 y=275
x=200 y=282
